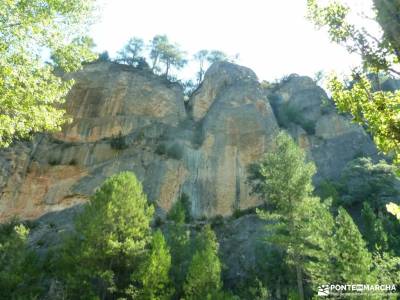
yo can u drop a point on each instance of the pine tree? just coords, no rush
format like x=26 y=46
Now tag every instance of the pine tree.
x=178 y=238
x=284 y=178
x=204 y=275
x=386 y=268
x=353 y=262
x=316 y=227
x=131 y=53
x=113 y=232
x=155 y=271
x=374 y=232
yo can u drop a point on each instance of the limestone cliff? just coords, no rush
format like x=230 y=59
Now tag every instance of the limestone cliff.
x=128 y=119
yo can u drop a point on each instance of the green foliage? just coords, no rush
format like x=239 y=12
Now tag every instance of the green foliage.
x=373 y=231
x=289 y=114
x=180 y=211
x=131 y=53
x=386 y=267
x=113 y=232
x=178 y=239
x=118 y=142
x=283 y=177
x=376 y=110
x=54 y=160
x=201 y=57
x=30 y=92
x=258 y=291
x=362 y=180
x=156 y=284
x=307 y=239
x=353 y=262
x=316 y=227
x=316 y=245
x=104 y=56
x=204 y=274
x=173 y=151
x=20 y=273
x=209 y=56
x=167 y=53
x=217 y=221
x=214 y=56
x=328 y=189
x=65 y=58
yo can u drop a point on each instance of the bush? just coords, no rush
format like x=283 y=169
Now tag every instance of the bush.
x=73 y=162
x=20 y=271
x=363 y=180
x=328 y=189
x=180 y=211
x=288 y=114
x=104 y=56
x=174 y=151
x=54 y=161
x=217 y=221
x=118 y=142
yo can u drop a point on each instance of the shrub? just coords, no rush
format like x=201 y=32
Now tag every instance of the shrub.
x=118 y=142
x=73 y=162
x=180 y=211
x=175 y=151
x=363 y=180
x=161 y=149
x=54 y=161
x=288 y=114
x=217 y=221
x=328 y=189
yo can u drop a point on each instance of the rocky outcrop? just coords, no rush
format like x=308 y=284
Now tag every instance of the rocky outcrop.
x=330 y=139
x=127 y=119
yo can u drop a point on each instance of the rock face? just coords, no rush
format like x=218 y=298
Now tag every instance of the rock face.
x=331 y=140
x=128 y=119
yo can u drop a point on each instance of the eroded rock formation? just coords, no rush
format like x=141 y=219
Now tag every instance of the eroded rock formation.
x=128 y=119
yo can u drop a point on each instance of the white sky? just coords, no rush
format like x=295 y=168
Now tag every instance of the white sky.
x=272 y=36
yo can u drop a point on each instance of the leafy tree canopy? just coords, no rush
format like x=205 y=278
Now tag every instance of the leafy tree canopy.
x=30 y=92
x=378 y=111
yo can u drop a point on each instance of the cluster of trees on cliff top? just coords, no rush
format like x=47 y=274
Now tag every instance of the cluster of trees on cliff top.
x=31 y=93
x=161 y=52
x=119 y=251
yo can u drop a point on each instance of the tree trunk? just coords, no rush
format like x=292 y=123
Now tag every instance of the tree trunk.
x=278 y=289
x=167 y=69
x=154 y=63
x=300 y=281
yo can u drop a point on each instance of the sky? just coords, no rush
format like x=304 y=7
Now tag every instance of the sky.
x=273 y=37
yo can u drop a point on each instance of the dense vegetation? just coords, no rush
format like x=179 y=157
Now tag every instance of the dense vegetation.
x=378 y=110
x=30 y=91
x=119 y=250
x=344 y=231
